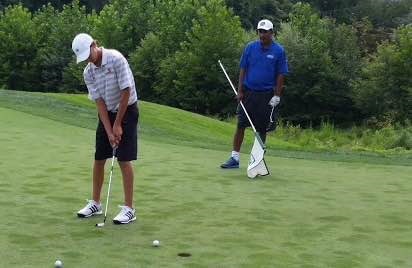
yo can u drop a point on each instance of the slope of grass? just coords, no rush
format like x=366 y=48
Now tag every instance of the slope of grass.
x=173 y=126
x=308 y=213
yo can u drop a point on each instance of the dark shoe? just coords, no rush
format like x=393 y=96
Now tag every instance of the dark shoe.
x=231 y=163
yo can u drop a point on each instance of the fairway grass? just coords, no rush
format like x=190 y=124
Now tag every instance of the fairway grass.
x=308 y=213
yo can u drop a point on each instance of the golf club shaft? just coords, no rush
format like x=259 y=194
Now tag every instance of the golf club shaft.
x=241 y=103
x=271 y=113
x=110 y=183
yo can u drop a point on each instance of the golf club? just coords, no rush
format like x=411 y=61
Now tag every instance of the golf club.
x=108 y=190
x=241 y=103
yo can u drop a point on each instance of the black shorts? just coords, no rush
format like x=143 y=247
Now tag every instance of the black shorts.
x=127 y=150
x=258 y=108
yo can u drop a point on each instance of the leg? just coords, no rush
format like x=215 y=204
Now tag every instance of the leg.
x=128 y=177
x=233 y=161
x=98 y=178
x=238 y=139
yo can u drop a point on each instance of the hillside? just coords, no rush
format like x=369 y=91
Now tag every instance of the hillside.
x=169 y=125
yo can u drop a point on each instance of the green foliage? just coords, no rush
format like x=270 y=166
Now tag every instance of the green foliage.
x=34 y=5
x=385 y=87
x=385 y=13
x=323 y=58
x=191 y=79
x=250 y=12
x=55 y=52
x=389 y=138
x=18 y=45
x=123 y=23
x=145 y=62
x=368 y=36
x=168 y=25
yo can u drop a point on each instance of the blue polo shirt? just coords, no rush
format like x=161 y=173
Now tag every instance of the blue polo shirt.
x=263 y=65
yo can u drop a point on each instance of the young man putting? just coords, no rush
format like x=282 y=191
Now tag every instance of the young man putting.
x=111 y=86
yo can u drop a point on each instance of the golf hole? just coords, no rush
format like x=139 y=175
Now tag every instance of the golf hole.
x=184 y=254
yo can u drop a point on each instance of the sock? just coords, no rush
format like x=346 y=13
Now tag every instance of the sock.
x=235 y=155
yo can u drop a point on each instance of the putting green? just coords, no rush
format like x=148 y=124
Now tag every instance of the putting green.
x=308 y=213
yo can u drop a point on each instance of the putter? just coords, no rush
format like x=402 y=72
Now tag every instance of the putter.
x=108 y=191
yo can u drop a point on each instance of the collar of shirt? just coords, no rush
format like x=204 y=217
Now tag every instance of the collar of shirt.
x=104 y=59
x=268 y=47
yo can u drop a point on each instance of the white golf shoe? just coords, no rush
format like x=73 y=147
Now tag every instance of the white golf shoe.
x=125 y=215
x=92 y=208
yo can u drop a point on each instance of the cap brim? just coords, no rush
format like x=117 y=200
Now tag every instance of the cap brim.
x=263 y=28
x=82 y=57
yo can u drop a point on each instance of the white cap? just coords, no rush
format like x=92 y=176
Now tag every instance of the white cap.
x=265 y=25
x=81 y=46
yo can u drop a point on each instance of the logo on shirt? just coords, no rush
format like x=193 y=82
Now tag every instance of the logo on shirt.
x=270 y=56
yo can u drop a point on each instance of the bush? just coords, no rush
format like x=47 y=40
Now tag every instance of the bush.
x=384 y=91
x=323 y=59
x=192 y=78
x=18 y=45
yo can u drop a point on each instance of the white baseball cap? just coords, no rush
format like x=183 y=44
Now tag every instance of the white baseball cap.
x=265 y=25
x=81 y=46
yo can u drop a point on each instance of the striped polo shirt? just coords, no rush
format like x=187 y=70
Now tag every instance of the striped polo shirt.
x=107 y=81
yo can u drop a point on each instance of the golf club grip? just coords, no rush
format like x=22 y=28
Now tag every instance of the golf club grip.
x=233 y=87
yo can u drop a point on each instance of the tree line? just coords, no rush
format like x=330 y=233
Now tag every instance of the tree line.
x=350 y=61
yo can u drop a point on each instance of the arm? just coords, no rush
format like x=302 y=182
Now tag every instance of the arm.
x=104 y=117
x=282 y=65
x=244 y=63
x=240 y=85
x=280 y=81
x=117 y=126
x=124 y=81
x=283 y=68
x=277 y=90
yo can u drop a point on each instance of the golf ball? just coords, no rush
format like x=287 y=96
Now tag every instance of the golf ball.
x=58 y=264
x=156 y=243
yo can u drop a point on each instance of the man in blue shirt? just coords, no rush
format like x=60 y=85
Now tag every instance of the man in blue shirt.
x=261 y=80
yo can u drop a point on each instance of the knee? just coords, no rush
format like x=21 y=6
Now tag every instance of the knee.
x=125 y=164
x=99 y=163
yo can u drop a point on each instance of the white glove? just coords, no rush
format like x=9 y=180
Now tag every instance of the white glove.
x=274 y=101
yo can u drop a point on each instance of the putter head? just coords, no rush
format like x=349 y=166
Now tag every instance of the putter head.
x=100 y=224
